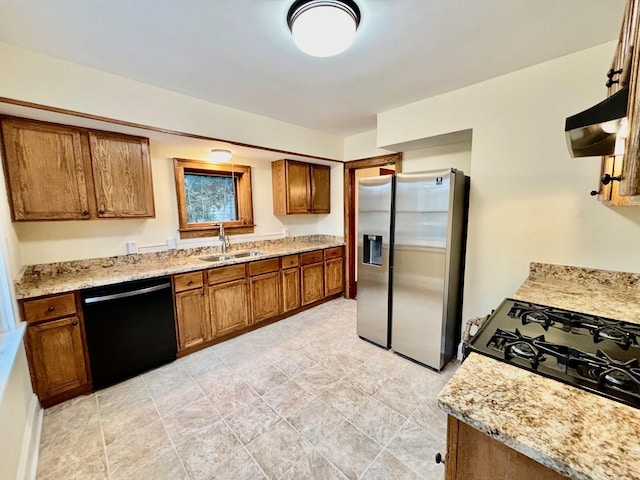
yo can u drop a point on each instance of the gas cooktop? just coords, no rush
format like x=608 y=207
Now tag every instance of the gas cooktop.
x=594 y=353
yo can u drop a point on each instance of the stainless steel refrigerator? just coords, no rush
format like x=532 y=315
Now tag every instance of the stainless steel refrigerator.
x=411 y=246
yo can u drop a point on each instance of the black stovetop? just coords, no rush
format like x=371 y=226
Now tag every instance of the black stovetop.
x=594 y=353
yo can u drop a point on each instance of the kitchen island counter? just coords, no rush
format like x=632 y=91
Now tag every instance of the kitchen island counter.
x=60 y=277
x=571 y=431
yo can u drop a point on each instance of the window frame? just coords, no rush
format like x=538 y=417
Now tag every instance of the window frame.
x=244 y=197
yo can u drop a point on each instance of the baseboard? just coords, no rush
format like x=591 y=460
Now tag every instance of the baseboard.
x=31 y=442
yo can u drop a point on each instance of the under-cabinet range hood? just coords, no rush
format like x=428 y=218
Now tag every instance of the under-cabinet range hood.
x=593 y=132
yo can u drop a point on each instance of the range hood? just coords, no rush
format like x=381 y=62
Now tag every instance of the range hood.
x=593 y=132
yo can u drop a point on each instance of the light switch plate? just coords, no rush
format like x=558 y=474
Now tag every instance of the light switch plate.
x=132 y=247
x=171 y=243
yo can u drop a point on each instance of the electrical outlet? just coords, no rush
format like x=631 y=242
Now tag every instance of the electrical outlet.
x=132 y=247
x=171 y=243
x=285 y=232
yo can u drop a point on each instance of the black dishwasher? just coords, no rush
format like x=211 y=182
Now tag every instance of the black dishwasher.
x=130 y=328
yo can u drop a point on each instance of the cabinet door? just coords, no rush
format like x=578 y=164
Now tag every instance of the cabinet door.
x=298 y=188
x=333 y=276
x=45 y=171
x=228 y=307
x=191 y=317
x=122 y=175
x=312 y=283
x=320 y=189
x=290 y=289
x=265 y=296
x=56 y=355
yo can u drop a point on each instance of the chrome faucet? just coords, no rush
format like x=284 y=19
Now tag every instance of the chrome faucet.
x=224 y=239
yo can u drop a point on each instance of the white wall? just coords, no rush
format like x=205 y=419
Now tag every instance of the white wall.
x=529 y=200
x=33 y=77
x=362 y=145
x=15 y=418
x=457 y=155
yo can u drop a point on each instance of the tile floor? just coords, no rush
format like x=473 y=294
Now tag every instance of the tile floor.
x=303 y=398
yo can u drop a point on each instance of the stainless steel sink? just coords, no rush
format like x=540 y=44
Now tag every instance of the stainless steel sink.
x=231 y=256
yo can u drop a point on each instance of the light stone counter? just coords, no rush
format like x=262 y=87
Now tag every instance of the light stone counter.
x=579 y=434
x=50 y=278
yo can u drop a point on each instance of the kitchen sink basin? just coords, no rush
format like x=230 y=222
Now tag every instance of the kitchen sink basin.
x=231 y=256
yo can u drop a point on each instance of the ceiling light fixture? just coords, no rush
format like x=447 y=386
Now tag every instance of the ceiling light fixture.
x=220 y=155
x=323 y=28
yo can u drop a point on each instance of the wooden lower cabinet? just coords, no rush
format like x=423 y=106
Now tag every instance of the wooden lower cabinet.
x=57 y=356
x=228 y=307
x=290 y=289
x=473 y=455
x=333 y=276
x=312 y=282
x=192 y=319
x=265 y=296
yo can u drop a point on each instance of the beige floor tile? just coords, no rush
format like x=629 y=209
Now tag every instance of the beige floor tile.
x=91 y=467
x=278 y=450
x=120 y=422
x=191 y=420
x=315 y=420
x=172 y=388
x=163 y=467
x=399 y=397
x=205 y=451
x=349 y=449
x=367 y=380
x=239 y=467
x=287 y=398
x=127 y=392
x=130 y=453
x=378 y=421
x=388 y=467
x=232 y=396
x=416 y=447
x=199 y=362
x=317 y=379
x=252 y=420
x=264 y=378
x=344 y=398
x=313 y=466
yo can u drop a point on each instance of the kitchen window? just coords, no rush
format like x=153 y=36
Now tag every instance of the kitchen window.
x=213 y=193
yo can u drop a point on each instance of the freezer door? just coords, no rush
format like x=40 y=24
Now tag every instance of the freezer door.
x=373 y=263
x=422 y=220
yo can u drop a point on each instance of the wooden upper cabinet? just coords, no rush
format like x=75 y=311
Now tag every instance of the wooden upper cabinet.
x=45 y=171
x=300 y=187
x=58 y=172
x=122 y=175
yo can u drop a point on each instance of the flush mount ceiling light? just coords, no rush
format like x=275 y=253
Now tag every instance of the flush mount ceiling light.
x=323 y=28
x=219 y=155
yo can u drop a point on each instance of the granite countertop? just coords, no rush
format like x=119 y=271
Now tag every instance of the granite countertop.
x=576 y=433
x=51 y=278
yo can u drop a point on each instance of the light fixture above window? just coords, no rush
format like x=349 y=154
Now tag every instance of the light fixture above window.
x=219 y=155
x=323 y=28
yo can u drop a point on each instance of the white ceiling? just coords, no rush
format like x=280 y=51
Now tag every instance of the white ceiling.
x=239 y=53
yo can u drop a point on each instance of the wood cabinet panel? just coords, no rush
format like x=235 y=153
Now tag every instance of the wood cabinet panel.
x=187 y=281
x=473 y=455
x=312 y=283
x=122 y=175
x=320 y=189
x=333 y=276
x=290 y=261
x=264 y=266
x=334 y=252
x=300 y=187
x=56 y=356
x=290 y=289
x=311 y=257
x=265 y=296
x=49 y=308
x=228 y=307
x=226 y=274
x=191 y=318
x=44 y=167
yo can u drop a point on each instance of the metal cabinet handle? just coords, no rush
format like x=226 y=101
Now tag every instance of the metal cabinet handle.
x=439 y=458
x=51 y=309
x=189 y=282
x=101 y=212
x=74 y=323
x=85 y=212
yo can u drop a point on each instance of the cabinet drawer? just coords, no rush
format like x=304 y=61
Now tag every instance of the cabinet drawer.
x=187 y=281
x=226 y=274
x=334 y=252
x=290 y=261
x=50 y=307
x=264 y=266
x=311 y=257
